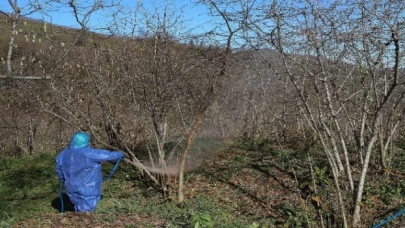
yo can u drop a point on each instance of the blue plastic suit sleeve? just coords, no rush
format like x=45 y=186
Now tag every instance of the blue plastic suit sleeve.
x=99 y=155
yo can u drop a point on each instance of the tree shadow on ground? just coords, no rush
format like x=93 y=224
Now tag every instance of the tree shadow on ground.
x=241 y=189
x=265 y=170
x=224 y=175
x=67 y=205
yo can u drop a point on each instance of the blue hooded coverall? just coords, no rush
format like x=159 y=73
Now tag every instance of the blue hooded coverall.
x=78 y=167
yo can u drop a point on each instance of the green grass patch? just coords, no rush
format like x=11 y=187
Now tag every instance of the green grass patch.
x=26 y=186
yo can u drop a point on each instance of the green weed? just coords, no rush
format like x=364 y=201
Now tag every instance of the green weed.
x=321 y=176
x=7 y=221
x=392 y=191
x=294 y=217
x=202 y=220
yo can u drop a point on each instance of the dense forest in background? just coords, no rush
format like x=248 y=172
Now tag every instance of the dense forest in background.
x=308 y=77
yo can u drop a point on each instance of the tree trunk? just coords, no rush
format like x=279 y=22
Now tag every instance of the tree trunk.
x=184 y=157
x=357 y=207
x=15 y=19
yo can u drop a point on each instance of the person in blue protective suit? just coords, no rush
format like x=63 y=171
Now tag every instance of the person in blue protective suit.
x=78 y=167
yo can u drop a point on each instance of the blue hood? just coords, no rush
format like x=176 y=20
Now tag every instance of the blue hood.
x=80 y=140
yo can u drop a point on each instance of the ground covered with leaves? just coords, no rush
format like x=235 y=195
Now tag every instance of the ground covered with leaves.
x=249 y=187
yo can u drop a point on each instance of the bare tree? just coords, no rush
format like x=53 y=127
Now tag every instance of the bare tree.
x=14 y=16
x=342 y=60
x=329 y=46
